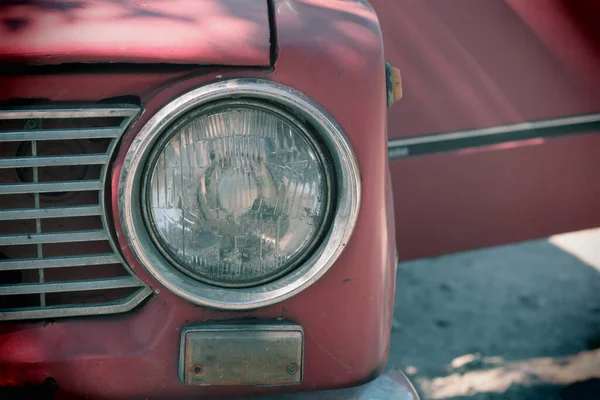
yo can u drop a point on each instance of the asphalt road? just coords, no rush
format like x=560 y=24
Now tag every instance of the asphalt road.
x=513 y=322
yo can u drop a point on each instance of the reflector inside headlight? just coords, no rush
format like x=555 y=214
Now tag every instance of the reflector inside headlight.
x=236 y=193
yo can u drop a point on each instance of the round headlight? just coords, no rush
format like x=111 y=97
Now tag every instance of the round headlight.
x=236 y=193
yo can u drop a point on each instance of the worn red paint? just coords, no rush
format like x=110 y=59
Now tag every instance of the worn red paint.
x=464 y=201
x=332 y=52
x=221 y=32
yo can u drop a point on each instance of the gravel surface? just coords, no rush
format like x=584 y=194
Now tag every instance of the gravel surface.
x=512 y=322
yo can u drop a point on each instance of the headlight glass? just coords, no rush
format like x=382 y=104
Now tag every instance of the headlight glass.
x=236 y=193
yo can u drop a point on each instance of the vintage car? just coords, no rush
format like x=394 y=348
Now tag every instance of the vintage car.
x=195 y=199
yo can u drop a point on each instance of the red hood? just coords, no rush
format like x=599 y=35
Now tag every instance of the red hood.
x=224 y=32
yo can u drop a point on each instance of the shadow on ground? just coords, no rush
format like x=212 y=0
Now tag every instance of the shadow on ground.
x=514 y=322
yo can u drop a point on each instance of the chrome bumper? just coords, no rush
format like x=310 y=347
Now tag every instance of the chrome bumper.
x=393 y=385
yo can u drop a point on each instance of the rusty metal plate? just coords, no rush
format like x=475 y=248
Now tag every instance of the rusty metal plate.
x=241 y=354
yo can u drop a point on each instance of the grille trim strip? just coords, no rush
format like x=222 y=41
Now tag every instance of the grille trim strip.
x=49 y=187
x=36 y=128
x=59 y=237
x=49 y=212
x=121 y=306
x=81 y=112
x=56 y=161
x=60 y=134
x=60 y=262
x=71 y=286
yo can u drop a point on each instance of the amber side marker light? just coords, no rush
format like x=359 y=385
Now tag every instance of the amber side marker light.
x=393 y=84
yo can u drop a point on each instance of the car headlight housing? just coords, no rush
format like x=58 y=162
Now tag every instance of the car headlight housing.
x=236 y=193
x=239 y=194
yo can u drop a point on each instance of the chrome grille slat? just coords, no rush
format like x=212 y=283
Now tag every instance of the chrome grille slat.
x=49 y=187
x=58 y=161
x=52 y=194
x=49 y=212
x=43 y=238
x=59 y=262
x=73 y=286
x=69 y=311
x=59 y=134
x=76 y=112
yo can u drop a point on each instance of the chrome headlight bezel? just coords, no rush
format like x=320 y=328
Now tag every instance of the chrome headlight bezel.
x=345 y=207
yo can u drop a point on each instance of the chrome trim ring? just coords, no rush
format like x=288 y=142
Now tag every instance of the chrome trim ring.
x=342 y=224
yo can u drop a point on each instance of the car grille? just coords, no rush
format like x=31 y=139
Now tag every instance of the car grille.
x=57 y=255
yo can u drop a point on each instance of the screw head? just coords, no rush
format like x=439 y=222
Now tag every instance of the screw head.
x=292 y=368
x=197 y=369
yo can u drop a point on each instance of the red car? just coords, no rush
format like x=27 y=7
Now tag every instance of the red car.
x=195 y=199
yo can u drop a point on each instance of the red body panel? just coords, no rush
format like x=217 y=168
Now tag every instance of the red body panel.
x=332 y=52
x=472 y=64
x=223 y=32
